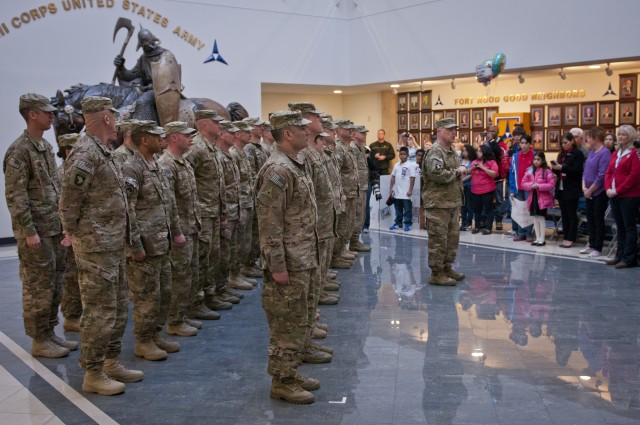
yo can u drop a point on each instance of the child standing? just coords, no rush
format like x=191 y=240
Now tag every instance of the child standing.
x=403 y=178
x=483 y=186
x=539 y=182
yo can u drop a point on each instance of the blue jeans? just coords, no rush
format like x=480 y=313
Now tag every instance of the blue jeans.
x=404 y=210
x=526 y=231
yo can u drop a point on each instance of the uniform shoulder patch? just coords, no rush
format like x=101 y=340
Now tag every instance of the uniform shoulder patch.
x=130 y=181
x=277 y=179
x=84 y=166
x=437 y=163
x=15 y=163
x=79 y=179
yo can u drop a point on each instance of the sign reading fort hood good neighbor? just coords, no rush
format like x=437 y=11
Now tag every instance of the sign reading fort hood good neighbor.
x=31 y=15
x=522 y=97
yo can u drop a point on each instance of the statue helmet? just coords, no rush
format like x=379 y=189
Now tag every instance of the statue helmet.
x=143 y=35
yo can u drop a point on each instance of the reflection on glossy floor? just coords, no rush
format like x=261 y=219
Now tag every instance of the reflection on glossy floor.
x=527 y=338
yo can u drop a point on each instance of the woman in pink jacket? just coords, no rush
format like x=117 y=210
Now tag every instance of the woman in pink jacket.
x=539 y=182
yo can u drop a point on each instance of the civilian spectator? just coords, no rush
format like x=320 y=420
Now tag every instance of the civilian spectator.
x=578 y=134
x=539 y=182
x=382 y=153
x=610 y=142
x=520 y=161
x=483 y=186
x=403 y=178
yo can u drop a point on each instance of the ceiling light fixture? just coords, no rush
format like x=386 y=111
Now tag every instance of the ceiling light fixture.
x=608 y=70
x=394 y=86
x=453 y=83
x=337 y=91
x=562 y=74
x=521 y=78
x=594 y=66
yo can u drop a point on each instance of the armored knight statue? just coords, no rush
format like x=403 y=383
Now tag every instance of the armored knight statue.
x=157 y=73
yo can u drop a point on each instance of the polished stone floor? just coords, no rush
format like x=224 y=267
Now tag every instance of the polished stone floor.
x=529 y=337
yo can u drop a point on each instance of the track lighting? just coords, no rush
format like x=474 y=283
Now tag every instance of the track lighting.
x=562 y=74
x=453 y=83
x=608 y=70
x=521 y=78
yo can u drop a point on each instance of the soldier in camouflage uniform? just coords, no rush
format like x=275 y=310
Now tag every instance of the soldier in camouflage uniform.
x=247 y=177
x=257 y=157
x=127 y=148
x=287 y=217
x=442 y=196
x=94 y=214
x=71 y=304
x=211 y=198
x=184 y=260
x=154 y=226
x=267 y=138
x=360 y=155
x=32 y=190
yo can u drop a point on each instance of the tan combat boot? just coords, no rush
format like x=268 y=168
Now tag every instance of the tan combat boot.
x=323 y=348
x=149 y=351
x=331 y=274
x=347 y=256
x=253 y=282
x=251 y=271
x=228 y=297
x=328 y=299
x=201 y=312
x=330 y=286
x=182 y=329
x=316 y=356
x=69 y=345
x=72 y=325
x=236 y=282
x=318 y=333
x=306 y=383
x=453 y=274
x=214 y=302
x=340 y=263
x=291 y=392
x=194 y=323
x=356 y=245
x=441 y=279
x=47 y=348
x=96 y=381
x=166 y=345
x=322 y=326
x=115 y=370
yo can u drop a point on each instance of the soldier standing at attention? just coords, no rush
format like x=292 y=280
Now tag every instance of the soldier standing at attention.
x=360 y=155
x=71 y=305
x=184 y=260
x=267 y=138
x=126 y=149
x=154 y=226
x=442 y=196
x=211 y=198
x=287 y=217
x=94 y=213
x=32 y=190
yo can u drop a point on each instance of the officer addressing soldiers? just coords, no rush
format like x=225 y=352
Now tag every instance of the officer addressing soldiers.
x=32 y=190
x=94 y=213
x=287 y=215
x=442 y=197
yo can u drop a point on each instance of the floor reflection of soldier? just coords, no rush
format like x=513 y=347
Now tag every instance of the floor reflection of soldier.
x=403 y=279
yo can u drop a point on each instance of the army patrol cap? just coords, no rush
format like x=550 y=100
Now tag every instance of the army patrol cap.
x=282 y=119
x=254 y=121
x=324 y=116
x=93 y=104
x=68 y=139
x=266 y=125
x=446 y=123
x=178 y=127
x=343 y=123
x=34 y=100
x=243 y=125
x=147 y=127
x=304 y=107
x=204 y=114
x=228 y=126
x=327 y=124
x=360 y=128
x=125 y=125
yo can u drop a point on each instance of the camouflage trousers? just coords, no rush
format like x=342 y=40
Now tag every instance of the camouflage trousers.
x=243 y=245
x=287 y=309
x=71 y=305
x=184 y=279
x=254 y=253
x=150 y=283
x=344 y=226
x=41 y=273
x=359 y=215
x=444 y=236
x=103 y=290
x=228 y=242
x=325 y=260
x=208 y=257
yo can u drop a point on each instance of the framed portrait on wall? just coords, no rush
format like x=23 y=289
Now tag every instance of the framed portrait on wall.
x=437 y=116
x=477 y=118
x=414 y=121
x=490 y=112
x=627 y=113
x=588 y=114
x=464 y=136
x=555 y=115
x=570 y=115
x=477 y=137
x=450 y=114
x=607 y=113
x=464 y=121
x=402 y=102
x=425 y=101
x=425 y=122
x=553 y=140
x=537 y=138
x=537 y=116
x=628 y=86
x=414 y=101
x=402 y=122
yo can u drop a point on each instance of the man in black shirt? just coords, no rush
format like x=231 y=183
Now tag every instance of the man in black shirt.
x=382 y=152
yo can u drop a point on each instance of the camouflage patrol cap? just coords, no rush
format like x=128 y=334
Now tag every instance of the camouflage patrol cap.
x=304 y=107
x=323 y=134
x=254 y=121
x=343 y=123
x=34 y=100
x=178 y=127
x=68 y=139
x=324 y=116
x=228 y=126
x=125 y=125
x=446 y=123
x=360 y=128
x=243 y=125
x=282 y=119
x=204 y=114
x=266 y=125
x=93 y=104
x=147 y=127
x=327 y=124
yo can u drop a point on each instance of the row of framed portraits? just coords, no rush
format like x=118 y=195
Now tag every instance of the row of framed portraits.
x=415 y=101
x=584 y=114
x=477 y=118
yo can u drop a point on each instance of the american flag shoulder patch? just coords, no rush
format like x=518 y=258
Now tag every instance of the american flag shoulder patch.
x=277 y=179
x=84 y=166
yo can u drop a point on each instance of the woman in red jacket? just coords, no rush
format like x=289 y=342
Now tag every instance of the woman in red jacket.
x=622 y=183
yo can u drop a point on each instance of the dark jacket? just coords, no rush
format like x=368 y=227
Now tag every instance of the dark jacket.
x=570 y=175
x=386 y=149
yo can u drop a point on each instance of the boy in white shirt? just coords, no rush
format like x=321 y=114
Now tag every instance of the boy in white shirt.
x=403 y=178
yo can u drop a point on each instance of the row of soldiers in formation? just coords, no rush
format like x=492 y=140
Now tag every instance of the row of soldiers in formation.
x=178 y=218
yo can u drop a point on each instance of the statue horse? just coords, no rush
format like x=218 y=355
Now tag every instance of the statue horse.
x=131 y=104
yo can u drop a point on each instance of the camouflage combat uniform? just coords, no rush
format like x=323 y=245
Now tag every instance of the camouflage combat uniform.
x=184 y=260
x=153 y=222
x=32 y=190
x=122 y=154
x=360 y=158
x=244 y=239
x=287 y=214
x=331 y=166
x=257 y=154
x=442 y=196
x=349 y=178
x=94 y=212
